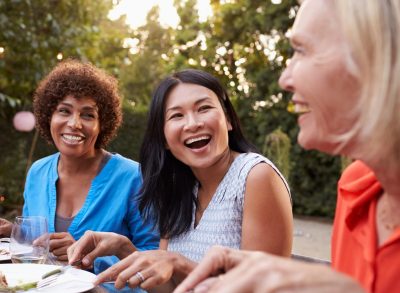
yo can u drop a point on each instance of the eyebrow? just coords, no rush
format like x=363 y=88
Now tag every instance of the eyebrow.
x=86 y=108
x=299 y=39
x=199 y=101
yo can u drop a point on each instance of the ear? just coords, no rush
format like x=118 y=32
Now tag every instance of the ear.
x=228 y=123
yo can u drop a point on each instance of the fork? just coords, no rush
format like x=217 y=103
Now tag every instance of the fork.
x=52 y=276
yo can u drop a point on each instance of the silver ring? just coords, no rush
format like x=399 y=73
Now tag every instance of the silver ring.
x=140 y=277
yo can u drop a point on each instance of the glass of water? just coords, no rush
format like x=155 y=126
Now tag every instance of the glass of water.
x=29 y=241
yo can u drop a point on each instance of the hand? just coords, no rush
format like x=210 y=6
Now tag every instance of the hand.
x=96 y=244
x=5 y=228
x=261 y=272
x=217 y=260
x=59 y=243
x=156 y=266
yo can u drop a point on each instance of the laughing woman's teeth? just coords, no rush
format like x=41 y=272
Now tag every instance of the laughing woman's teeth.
x=73 y=138
x=296 y=108
x=301 y=108
x=198 y=142
x=192 y=140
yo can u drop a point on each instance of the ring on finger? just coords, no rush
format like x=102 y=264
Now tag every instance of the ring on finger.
x=140 y=277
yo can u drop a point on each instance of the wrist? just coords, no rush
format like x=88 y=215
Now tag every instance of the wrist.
x=125 y=248
x=182 y=266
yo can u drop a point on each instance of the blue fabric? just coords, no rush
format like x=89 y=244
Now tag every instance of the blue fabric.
x=110 y=206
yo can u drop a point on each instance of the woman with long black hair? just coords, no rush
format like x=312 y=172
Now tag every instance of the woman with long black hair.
x=203 y=184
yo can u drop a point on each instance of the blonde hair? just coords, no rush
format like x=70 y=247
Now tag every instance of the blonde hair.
x=372 y=29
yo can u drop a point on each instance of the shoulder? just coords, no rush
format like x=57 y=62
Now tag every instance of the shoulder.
x=264 y=170
x=44 y=164
x=124 y=164
x=265 y=174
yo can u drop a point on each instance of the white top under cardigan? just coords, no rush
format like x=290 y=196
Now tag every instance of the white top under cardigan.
x=221 y=223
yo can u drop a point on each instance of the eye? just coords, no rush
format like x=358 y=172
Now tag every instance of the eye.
x=89 y=115
x=63 y=110
x=204 y=108
x=175 y=116
x=297 y=50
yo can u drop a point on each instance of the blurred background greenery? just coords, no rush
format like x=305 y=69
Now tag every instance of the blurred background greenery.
x=243 y=43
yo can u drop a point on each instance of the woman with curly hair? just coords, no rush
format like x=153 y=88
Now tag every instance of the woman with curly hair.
x=77 y=109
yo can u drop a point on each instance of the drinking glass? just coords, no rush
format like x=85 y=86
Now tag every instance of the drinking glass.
x=29 y=241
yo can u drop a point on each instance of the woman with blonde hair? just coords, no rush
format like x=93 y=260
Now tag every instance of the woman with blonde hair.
x=345 y=77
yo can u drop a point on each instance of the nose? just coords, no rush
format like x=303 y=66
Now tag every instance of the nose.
x=193 y=123
x=286 y=80
x=75 y=121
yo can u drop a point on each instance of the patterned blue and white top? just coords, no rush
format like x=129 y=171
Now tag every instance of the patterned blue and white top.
x=221 y=223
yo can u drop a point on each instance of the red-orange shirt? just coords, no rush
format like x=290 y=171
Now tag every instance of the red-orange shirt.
x=355 y=250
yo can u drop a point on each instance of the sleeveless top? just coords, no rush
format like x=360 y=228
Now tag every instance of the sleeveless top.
x=221 y=222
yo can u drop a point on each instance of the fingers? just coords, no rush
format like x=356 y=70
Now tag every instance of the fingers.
x=62 y=257
x=215 y=261
x=205 y=285
x=59 y=242
x=236 y=280
x=80 y=249
x=59 y=235
x=5 y=227
x=121 y=272
x=144 y=269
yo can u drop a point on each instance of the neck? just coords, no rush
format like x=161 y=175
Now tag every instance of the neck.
x=76 y=165
x=388 y=178
x=210 y=177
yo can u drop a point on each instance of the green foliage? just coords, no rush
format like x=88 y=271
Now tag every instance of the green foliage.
x=33 y=33
x=243 y=43
x=277 y=148
x=143 y=71
x=247 y=48
x=130 y=134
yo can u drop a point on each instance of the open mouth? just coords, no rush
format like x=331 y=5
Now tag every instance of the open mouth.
x=298 y=108
x=198 y=142
x=72 y=139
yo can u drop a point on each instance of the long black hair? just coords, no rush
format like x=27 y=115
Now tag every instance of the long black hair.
x=167 y=192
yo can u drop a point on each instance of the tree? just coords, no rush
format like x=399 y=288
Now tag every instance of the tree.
x=34 y=36
x=244 y=44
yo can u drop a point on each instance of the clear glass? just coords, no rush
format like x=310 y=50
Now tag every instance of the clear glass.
x=29 y=241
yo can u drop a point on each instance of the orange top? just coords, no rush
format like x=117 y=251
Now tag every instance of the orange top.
x=354 y=238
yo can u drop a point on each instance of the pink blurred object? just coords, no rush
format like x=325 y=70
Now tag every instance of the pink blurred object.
x=24 y=121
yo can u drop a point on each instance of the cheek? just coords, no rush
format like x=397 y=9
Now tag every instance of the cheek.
x=170 y=134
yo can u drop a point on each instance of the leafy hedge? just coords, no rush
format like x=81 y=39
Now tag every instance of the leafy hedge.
x=312 y=175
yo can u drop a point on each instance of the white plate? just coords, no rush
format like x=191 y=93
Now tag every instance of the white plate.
x=5 y=246
x=72 y=281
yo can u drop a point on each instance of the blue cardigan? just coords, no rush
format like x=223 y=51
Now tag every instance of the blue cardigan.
x=110 y=206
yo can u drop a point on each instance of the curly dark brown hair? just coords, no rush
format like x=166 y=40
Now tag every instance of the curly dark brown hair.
x=79 y=79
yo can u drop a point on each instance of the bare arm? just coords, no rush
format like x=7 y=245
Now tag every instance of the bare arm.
x=267 y=213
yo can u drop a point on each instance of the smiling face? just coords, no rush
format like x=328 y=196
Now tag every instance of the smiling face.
x=195 y=126
x=324 y=91
x=75 y=126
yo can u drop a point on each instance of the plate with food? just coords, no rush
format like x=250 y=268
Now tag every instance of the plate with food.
x=4 y=249
x=23 y=277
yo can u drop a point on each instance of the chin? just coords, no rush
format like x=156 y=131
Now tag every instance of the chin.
x=313 y=143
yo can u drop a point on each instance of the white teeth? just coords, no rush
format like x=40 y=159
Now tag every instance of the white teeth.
x=301 y=108
x=192 y=140
x=72 y=137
